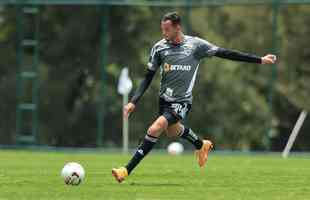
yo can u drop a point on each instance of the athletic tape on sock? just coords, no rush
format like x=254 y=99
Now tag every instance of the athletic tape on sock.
x=151 y=138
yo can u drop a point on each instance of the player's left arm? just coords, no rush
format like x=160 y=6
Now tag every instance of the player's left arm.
x=245 y=57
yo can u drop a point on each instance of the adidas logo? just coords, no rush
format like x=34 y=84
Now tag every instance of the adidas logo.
x=140 y=151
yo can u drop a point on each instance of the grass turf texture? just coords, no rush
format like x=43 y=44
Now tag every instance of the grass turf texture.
x=28 y=175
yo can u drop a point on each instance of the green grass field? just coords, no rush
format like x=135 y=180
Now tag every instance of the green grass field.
x=36 y=175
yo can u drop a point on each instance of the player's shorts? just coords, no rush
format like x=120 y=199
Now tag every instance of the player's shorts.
x=173 y=111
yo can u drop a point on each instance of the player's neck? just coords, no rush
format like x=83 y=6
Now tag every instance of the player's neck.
x=178 y=39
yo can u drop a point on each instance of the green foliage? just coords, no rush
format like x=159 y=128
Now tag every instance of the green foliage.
x=230 y=99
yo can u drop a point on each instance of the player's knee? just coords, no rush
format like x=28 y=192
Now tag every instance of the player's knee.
x=153 y=130
x=156 y=129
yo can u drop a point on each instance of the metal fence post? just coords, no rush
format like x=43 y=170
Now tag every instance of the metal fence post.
x=103 y=62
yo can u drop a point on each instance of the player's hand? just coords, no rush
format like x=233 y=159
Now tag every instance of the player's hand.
x=269 y=59
x=129 y=108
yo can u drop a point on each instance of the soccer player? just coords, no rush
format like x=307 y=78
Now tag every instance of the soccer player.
x=178 y=57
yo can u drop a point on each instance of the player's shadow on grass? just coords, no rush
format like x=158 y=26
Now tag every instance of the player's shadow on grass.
x=155 y=184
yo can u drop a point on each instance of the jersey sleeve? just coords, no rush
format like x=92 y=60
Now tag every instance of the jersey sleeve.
x=205 y=49
x=154 y=59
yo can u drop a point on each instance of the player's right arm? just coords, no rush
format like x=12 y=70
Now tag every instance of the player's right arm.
x=130 y=107
x=153 y=64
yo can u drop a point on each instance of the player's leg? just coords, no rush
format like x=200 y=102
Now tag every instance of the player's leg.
x=179 y=111
x=203 y=146
x=149 y=141
x=179 y=130
x=143 y=149
x=174 y=130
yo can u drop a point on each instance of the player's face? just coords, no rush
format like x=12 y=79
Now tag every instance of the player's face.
x=169 y=31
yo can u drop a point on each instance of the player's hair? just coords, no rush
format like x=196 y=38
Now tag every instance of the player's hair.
x=173 y=17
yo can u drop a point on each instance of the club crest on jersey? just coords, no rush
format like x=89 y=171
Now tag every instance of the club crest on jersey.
x=188 y=46
x=168 y=67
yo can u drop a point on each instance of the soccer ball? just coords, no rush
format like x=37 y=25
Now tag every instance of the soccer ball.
x=175 y=148
x=73 y=173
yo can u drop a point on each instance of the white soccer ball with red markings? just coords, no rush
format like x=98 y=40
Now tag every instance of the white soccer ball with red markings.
x=175 y=148
x=73 y=173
